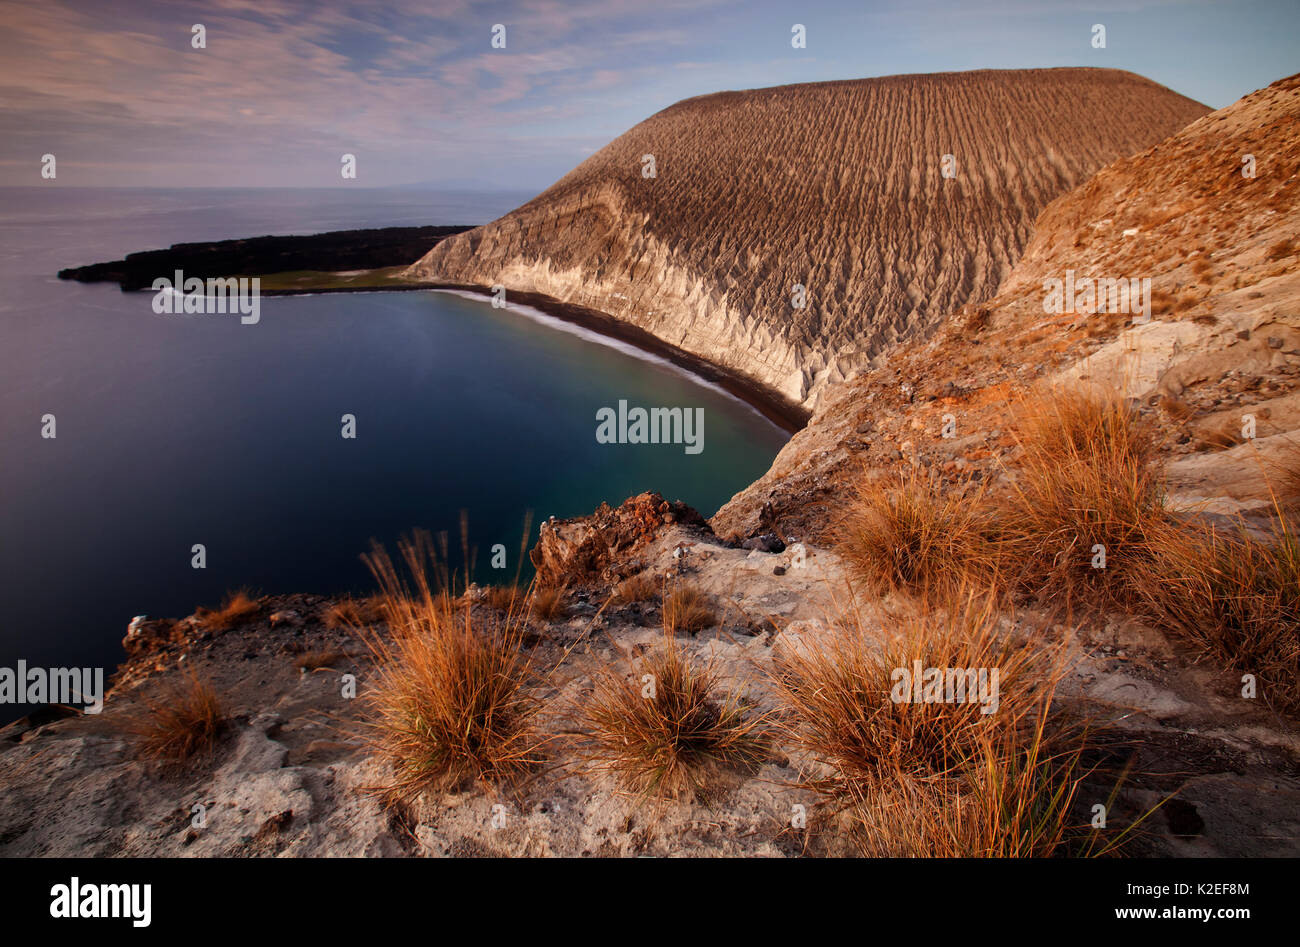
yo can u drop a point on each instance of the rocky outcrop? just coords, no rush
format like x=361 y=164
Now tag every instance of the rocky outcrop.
x=603 y=544
x=835 y=187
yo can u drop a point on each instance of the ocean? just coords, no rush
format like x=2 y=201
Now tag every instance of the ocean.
x=180 y=430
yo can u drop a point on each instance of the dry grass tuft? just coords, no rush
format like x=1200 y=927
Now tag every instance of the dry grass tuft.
x=942 y=778
x=1284 y=475
x=352 y=613
x=183 y=723
x=238 y=608
x=452 y=699
x=1233 y=597
x=548 y=604
x=1165 y=303
x=641 y=587
x=1086 y=492
x=1177 y=409
x=910 y=535
x=315 y=660
x=501 y=598
x=669 y=731
x=688 y=609
x=1281 y=250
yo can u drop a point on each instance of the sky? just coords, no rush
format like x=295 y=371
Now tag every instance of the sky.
x=417 y=92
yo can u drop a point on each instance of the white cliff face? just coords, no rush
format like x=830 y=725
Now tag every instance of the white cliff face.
x=792 y=234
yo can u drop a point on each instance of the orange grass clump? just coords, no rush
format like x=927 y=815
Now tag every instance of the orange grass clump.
x=669 y=730
x=987 y=769
x=1085 y=493
x=908 y=534
x=235 y=610
x=183 y=723
x=452 y=699
x=687 y=608
x=1233 y=597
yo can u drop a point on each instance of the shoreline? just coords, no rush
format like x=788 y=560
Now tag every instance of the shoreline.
x=789 y=417
x=377 y=255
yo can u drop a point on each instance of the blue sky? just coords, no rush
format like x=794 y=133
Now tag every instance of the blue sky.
x=416 y=91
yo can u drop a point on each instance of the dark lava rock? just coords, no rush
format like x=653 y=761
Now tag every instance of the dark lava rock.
x=768 y=542
x=256 y=256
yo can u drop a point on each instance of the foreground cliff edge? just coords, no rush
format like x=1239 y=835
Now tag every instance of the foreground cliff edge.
x=290 y=773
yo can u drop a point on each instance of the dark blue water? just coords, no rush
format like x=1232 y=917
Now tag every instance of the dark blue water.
x=176 y=430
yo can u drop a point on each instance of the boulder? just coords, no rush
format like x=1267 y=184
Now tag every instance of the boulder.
x=591 y=548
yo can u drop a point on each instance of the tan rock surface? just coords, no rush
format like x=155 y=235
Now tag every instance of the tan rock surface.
x=291 y=777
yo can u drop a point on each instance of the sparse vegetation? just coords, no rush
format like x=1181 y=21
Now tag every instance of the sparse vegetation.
x=1234 y=597
x=1085 y=492
x=641 y=587
x=1286 y=475
x=184 y=722
x=910 y=534
x=352 y=613
x=451 y=699
x=940 y=778
x=1083 y=522
x=380 y=278
x=501 y=598
x=688 y=609
x=237 y=608
x=315 y=660
x=1165 y=303
x=668 y=730
x=548 y=604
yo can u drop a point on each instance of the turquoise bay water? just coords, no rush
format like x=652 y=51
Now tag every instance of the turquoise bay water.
x=176 y=430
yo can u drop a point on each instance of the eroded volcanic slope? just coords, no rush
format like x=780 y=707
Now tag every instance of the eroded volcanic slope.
x=836 y=186
x=1222 y=251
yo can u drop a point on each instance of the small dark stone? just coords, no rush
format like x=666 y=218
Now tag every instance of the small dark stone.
x=778 y=570
x=1183 y=819
x=1274 y=342
x=767 y=542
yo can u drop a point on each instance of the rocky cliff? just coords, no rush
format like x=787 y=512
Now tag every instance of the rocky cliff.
x=698 y=224
x=1209 y=217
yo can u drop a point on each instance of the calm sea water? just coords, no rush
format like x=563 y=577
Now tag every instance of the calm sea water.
x=176 y=430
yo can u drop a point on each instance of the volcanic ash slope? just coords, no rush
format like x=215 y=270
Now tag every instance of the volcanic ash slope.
x=835 y=186
x=1216 y=369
